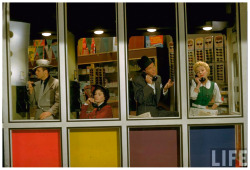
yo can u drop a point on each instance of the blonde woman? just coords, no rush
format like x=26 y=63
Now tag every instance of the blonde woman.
x=203 y=90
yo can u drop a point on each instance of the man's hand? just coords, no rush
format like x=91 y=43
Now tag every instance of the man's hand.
x=169 y=84
x=44 y=115
x=149 y=79
x=30 y=86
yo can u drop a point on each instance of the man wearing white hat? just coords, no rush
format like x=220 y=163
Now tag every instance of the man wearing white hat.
x=44 y=94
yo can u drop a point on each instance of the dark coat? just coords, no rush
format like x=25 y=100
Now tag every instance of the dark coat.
x=146 y=100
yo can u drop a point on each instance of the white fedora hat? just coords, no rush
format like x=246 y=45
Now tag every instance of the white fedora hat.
x=42 y=63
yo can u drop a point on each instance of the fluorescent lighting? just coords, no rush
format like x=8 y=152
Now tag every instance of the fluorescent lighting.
x=98 y=32
x=151 y=30
x=207 y=28
x=46 y=34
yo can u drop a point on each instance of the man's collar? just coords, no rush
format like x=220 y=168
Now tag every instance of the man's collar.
x=46 y=80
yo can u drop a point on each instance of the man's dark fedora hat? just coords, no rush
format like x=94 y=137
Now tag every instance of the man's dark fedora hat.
x=144 y=62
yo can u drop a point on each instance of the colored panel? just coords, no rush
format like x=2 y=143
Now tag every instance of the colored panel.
x=94 y=147
x=36 y=148
x=158 y=147
x=204 y=139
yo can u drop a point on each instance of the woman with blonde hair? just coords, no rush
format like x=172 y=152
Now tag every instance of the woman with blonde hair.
x=202 y=89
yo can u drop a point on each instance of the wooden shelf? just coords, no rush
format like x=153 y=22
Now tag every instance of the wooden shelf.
x=112 y=56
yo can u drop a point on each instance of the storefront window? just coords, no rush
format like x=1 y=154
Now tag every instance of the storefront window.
x=213 y=60
x=33 y=62
x=92 y=60
x=151 y=34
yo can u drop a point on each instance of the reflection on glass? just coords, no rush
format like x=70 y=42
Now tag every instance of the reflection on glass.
x=218 y=50
x=34 y=62
x=92 y=60
x=152 y=60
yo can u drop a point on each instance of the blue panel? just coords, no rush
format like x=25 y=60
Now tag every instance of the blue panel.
x=204 y=139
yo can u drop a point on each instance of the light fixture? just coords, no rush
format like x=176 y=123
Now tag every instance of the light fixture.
x=207 y=26
x=46 y=34
x=151 y=30
x=98 y=32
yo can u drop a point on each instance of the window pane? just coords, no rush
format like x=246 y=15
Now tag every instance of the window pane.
x=214 y=55
x=34 y=62
x=92 y=61
x=152 y=79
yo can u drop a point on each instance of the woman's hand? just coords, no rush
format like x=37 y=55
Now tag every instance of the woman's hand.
x=90 y=100
x=197 y=80
x=214 y=106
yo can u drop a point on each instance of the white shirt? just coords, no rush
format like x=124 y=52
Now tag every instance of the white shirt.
x=216 y=92
x=153 y=87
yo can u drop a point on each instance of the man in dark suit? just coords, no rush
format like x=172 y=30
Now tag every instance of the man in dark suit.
x=148 y=89
x=44 y=94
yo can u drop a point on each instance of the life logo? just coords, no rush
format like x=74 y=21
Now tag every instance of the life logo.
x=228 y=158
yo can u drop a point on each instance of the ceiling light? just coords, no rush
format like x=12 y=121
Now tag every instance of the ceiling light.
x=207 y=28
x=151 y=30
x=98 y=32
x=46 y=34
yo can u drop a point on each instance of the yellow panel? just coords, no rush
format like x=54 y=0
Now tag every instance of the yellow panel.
x=94 y=147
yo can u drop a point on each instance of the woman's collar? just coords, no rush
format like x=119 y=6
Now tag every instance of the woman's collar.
x=207 y=85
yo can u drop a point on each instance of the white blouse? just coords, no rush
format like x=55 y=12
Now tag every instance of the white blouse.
x=216 y=92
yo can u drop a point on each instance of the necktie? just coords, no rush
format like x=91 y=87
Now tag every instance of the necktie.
x=41 y=90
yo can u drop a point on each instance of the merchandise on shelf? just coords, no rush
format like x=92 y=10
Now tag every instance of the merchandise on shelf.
x=191 y=59
x=219 y=51
x=219 y=72
x=154 y=41
x=171 y=60
x=199 y=49
x=209 y=54
x=211 y=75
x=136 y=42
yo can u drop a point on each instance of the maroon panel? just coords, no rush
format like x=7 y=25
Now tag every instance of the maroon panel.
x=154 y=148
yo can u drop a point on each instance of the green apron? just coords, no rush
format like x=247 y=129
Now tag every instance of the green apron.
x=205 y=95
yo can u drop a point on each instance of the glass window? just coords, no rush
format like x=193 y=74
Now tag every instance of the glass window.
x=151 y=34
x=213 y=59
x=34 y=62
x=92 y=60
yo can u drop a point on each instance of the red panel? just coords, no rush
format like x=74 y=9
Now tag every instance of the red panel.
x=36 y=148
x=154 y=148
